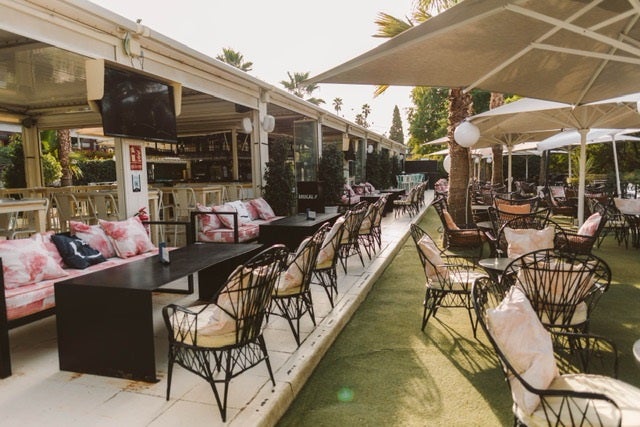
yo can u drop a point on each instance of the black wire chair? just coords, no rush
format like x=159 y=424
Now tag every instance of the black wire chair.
x=563 y=287
x=291 y=296
x=449 y=278
x=325 y=270
x=542 y=391
x=226 y=335
x=350 y=244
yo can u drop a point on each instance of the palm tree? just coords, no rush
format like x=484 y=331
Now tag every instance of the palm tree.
x=460 y=107
x=296 y=86
x=64 y=141
x=337 y=105
x=235 y=59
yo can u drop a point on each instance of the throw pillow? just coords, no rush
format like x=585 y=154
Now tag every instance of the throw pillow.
x=451 y=224
x=75 y=252
x=128 y=237
x=226 y=220
x=241 y=209
x=526 y=344
x=435 y=263
x=514 y=209
x=291 y=280
x=45 y=239
x=208 y=222
x=264 y=209
x=27 y=261
x=590 y=226
x=329 y=245
x=522 y=240
x=253 y=211
x=95 y=236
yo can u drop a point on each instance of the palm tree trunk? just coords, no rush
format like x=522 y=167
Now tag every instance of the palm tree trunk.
x=497 y=176
x=64 y=139
x=459 y=207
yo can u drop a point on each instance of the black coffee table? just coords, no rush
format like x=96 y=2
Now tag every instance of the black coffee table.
x=292 y=230
x=105 y=319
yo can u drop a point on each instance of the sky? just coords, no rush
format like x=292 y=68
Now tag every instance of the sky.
x=281 y=36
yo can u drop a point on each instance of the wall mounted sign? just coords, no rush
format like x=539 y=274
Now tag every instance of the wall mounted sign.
x=135 y=157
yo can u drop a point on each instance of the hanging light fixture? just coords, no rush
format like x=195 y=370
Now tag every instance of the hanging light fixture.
x=466 y=134
x=446 y=163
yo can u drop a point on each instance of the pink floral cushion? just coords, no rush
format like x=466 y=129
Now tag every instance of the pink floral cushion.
x=52 y=250
x=226 y=220
x=208 y=222
x=264 y=209
x=95 y=237
x=590 y=226
x=26 y=261
x=253 y=211
x=128 y=237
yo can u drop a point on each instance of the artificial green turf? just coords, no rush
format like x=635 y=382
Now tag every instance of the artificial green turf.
x=382 y=370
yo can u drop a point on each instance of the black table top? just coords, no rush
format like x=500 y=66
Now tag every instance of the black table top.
x=149 y=274
x=300 y=220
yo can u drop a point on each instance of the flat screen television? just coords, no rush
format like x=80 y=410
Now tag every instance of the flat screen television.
x=135 y=106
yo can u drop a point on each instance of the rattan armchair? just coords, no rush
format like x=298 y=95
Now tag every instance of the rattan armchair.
x=350 y=243
x=466 y=238
x=325 y=270
x=543 y=393
x=219 y=340
x=583 y=240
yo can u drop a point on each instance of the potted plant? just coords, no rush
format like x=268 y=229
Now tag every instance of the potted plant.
x=330 y=173
x=279 y=179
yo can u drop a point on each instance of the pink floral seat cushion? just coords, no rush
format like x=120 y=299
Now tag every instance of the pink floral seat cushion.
x=129 y=237
x=225 y=235
x=33 y=298
x=208 y=222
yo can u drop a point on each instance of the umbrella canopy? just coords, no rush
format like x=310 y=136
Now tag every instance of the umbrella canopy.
x=571 y=51
x=595 y=136
x=508 y=140
x=532 y=114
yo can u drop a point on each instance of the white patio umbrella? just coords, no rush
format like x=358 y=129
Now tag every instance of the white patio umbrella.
x=530 y=114
x=508 y=141
x=595 y=136
x=572 y=51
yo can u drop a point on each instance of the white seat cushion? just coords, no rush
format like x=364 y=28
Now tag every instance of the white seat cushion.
x=626 y=396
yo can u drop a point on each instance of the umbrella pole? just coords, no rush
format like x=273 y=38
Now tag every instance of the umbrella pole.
x=510 y=178
x=615 y=162
x=581 y=176
x=526 y=168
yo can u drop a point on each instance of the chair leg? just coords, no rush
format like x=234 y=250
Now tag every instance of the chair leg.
x=328 y=279
x=172 y=359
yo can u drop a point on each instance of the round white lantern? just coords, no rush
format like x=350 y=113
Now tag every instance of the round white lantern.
x=446 y=163
x=466 y=134
x=489 y=159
